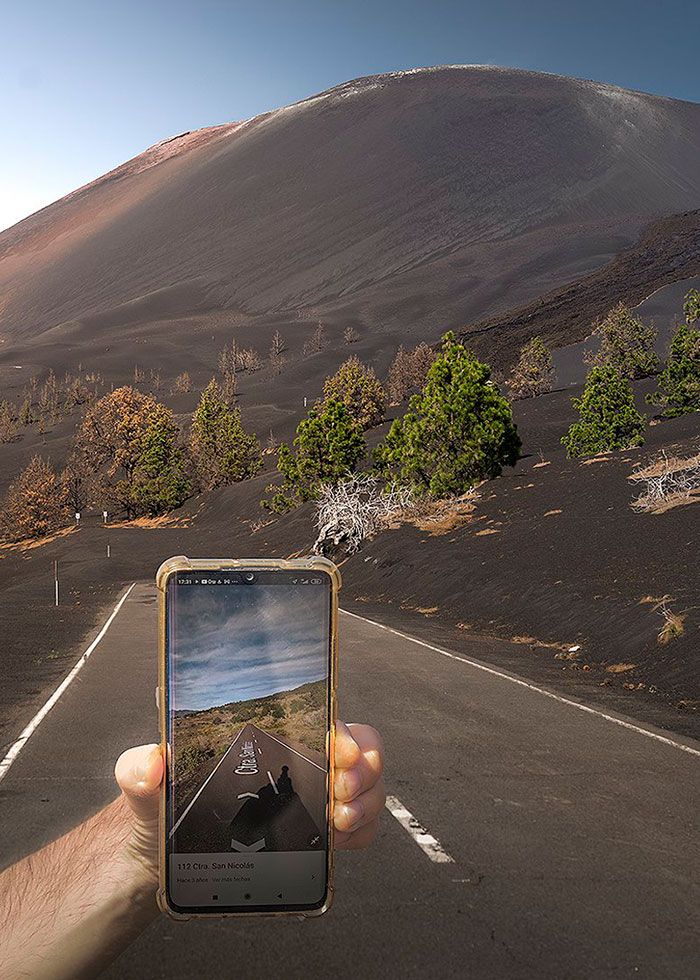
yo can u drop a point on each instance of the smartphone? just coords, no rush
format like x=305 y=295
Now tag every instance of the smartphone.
x=247 y=693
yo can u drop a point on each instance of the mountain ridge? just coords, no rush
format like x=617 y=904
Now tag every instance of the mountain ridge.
x=401 y=204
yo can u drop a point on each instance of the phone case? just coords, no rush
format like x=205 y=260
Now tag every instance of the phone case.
x=181 y=563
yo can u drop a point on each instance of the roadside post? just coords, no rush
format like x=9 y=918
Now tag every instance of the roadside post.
x=55 y=581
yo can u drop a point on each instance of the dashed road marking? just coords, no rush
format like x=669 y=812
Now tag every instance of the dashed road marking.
x=428 y=844
x=274 y=784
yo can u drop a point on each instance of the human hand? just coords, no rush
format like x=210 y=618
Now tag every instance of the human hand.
x=359 y=786
x=358 y=790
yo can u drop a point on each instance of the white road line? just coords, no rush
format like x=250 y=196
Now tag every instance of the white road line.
x=26 y=734
x=295 y=752
x=197 y=794
x=427 y=843
x=532 y=687
x=274 y=784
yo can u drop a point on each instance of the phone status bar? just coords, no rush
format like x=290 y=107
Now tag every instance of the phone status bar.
x=248 y=578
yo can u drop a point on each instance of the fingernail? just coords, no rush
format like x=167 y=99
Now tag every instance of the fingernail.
x=142 y=769
x=350 y=783
x=352 y=814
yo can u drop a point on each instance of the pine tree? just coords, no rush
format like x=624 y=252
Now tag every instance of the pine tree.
x=457 y=431
x=327 y=448
x=76 y=483
x=316 y=342
x=277 y=351
x=608 y=418
x=8 y=424
x=160 y=482
x=117 y=434
x=534 y=373
x=222 y=451
x=26 y=416
x=626 y=344
x=408 y=372
x=360 y=390
x=691 y=306
x=34 y=505
x=679 y=382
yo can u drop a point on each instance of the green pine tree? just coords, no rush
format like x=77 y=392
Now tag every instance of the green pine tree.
x=357 y=386
x=608 y=418
x=222 y=451
x=328 y=446
x=679 y=382
x=626 y=344
x=457 y=431
x=534 y=372
x=691 y=306
x=160 y=482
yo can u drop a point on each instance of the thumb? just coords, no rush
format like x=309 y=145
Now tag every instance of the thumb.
x=139 y=773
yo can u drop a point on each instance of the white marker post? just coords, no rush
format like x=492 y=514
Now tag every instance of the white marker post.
x=104 y=516
x=55 y=581
x=77 y=517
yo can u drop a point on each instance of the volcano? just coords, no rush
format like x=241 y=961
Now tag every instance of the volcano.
x=399 y=203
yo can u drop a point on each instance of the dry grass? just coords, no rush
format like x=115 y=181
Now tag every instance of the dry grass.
x=29 y=544
x=673 y=622
x=619 y=668
x=165 y=520
x=669 y=481
x=673 y=626
x=443 y=516
x=551 y=513
x=567 y=651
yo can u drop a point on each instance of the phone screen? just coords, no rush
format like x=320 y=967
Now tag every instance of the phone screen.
x=248 y=714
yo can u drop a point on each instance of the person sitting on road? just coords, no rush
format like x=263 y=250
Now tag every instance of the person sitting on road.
x=284 y=785
x=70 y=909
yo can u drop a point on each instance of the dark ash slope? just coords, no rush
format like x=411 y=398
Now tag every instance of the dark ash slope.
x=405 y=202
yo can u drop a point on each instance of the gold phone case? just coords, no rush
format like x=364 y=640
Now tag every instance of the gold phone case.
x=182 y=564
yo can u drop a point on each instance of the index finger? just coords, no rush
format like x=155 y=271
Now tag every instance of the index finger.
x=356 y=743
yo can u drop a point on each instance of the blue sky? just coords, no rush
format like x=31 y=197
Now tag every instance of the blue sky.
x=232 y=644
x=86 y=85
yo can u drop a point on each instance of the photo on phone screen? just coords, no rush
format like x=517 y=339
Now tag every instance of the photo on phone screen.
x=248 y=714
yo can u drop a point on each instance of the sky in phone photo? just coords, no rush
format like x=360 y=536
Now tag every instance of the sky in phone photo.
x=85 y=86
x=237 y=643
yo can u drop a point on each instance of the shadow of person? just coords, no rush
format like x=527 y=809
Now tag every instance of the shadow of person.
x=284 y=785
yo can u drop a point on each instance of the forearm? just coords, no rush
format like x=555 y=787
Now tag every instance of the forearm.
x=69 y=909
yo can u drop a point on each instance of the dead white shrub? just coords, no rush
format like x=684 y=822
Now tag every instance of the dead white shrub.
x=668 y=481
x=349 y=512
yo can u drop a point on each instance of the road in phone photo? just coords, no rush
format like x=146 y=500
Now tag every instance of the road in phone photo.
x=263 y=795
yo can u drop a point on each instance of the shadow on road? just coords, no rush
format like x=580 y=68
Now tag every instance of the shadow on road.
x=278 y=816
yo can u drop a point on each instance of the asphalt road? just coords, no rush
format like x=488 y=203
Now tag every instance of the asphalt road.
x=257 y=798
x=572 y=838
